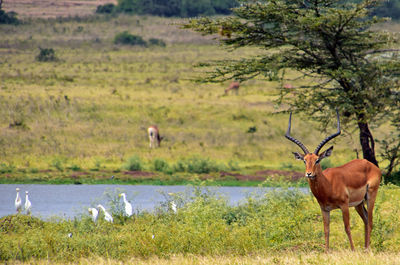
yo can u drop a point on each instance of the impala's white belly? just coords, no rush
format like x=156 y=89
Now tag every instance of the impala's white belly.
x=356 y=196
x=352 y=204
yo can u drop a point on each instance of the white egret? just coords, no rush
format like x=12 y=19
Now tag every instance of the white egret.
x=107 y=216
x=128 y=206
x=173 y=206
x=28 y=204
x=94 y=213
x=18 y=202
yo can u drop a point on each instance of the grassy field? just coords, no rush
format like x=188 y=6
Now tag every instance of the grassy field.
x=88 y=110
x=287 y=258
x=280 y=227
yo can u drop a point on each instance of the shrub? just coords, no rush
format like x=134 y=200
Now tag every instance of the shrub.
x=6 y=168
x=46 y=55
x=198 y=165
x=182 y=8
x=74 y=167
x=105 y=9
x=161 y=165
x=8 y=18
x=133 y=164
x=58 y=164
x=129 y=39
x=157 y=42
x=393 y=178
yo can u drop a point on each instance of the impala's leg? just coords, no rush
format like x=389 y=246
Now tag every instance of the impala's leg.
x=364 y=216
x=326 y=217
x=370 y=204
x=346 y=221
x=151 y=141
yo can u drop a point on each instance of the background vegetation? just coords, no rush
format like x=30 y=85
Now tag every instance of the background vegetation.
x=86 y=107
x=187 y=8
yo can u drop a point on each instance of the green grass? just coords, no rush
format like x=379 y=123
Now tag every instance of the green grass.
x=280 y=222
x=90 y=108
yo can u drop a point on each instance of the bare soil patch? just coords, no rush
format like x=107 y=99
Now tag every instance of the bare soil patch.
x=264 y=174
x=52 y=9
x=139 y=174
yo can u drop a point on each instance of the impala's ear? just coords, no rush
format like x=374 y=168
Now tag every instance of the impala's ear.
x=326 y=153
x=298 y=156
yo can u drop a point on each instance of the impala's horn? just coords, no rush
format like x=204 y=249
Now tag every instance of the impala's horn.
x=287 y=135
x=327 y=139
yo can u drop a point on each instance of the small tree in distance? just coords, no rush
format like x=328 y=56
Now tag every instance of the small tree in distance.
x=348 y=65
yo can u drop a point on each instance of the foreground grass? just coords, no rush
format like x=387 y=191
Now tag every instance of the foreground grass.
x=285 y=257
x=266 y=226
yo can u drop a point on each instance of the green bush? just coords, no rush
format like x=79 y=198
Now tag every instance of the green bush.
x=161 y=165
x=133 y=164
x=46 y=55
x=8 y=17
x=394 y=178
x=157 y=42
x=58 y=164
x=198 y=165
x=129 y=39
x=105 y=9
x=178 y=8
x=6 y=168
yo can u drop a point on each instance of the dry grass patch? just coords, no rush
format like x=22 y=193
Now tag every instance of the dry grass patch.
x=281 y=258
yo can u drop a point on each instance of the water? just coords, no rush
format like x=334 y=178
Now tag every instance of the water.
x=68 y=201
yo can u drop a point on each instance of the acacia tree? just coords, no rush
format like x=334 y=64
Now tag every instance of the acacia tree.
x=348 y=65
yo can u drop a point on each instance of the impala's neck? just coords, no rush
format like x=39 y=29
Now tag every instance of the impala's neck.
x=319 y=185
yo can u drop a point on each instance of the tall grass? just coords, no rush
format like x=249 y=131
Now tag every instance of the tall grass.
x=280 y=221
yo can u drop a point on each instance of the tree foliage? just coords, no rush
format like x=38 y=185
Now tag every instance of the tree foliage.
x=330 y=42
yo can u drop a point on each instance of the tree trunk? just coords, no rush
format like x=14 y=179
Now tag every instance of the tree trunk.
x=367 y=142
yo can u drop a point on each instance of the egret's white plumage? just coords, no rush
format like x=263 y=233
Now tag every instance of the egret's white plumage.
x=173 y=206
x=18 y=202
x=107 y=216
x=28 y=204
x=128 y=206
x=94 y=213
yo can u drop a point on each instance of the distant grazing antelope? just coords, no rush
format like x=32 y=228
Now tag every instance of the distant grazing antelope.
x=234 y=86
x=350 y=185
x=154 y=135
x=288 y=86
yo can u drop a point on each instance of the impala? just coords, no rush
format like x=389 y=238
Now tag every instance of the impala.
x=234 y=86
x=154 y=135
x=350 y=185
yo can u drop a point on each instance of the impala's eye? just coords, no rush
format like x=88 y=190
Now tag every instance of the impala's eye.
x=317 y=161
